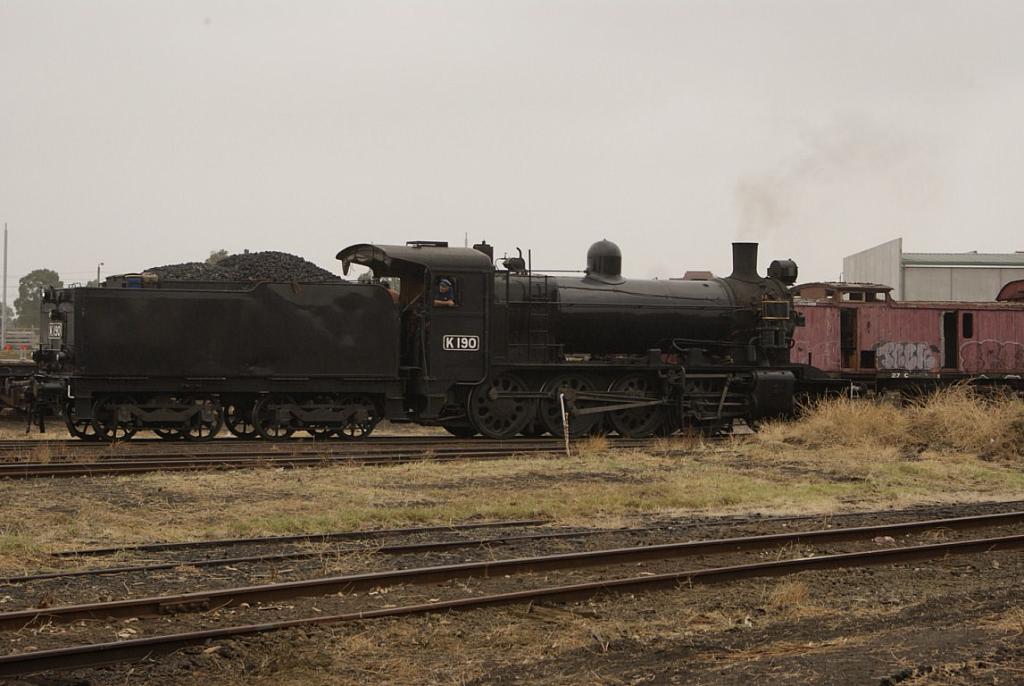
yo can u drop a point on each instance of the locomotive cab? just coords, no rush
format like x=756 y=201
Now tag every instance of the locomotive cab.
x=445 y=298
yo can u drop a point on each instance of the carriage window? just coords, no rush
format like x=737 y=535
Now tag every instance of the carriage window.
x=446 y=292
x=968 y=329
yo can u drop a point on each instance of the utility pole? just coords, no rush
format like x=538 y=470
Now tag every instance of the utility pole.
x=98 y=274
x=3 y=320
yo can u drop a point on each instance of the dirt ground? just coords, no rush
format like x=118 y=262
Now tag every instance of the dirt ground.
x=959 y=620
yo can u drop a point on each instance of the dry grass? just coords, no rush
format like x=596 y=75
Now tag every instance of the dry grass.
x=480 y=646
x=604 y=489
x=841 y=457
x=789 y=598
x=956 y=419
x=14 y=429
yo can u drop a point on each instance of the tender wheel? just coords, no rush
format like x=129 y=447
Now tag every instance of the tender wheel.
x=321 y=432
x=460 y=430
x=79 y=428
x=238 y=419
x=361 y=417
x=207 y=422
x=105 y=421
x=168 y=434
x=496 y=416
x=267 y=422
x=550 y=412
x=640 y=422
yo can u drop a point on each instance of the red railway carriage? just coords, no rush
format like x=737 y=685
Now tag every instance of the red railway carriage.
x=1012 y=292
x=857 y=331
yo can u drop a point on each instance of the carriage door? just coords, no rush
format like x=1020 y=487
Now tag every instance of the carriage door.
x=848 y=337
x=456 y=338
x=950 y=340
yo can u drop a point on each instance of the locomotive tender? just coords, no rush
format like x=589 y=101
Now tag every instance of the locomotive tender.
x=503 y=351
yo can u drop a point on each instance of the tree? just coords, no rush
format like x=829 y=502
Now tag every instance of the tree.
x=216 y=256
x=30 y=295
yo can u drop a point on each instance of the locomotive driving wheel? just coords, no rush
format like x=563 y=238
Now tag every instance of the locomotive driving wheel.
x=361 y=417
x=79 y=428
x=206 y=423
x=495 y=414
x=238 y=419
x=550 y=411
x=460 y=430
x=106 y=422
x=638 y=422
x=535 y=429
x=269 y=424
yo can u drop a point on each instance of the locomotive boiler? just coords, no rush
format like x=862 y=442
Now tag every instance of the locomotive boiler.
x=741 y=318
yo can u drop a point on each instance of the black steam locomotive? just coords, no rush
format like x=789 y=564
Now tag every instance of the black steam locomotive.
x=466 y=346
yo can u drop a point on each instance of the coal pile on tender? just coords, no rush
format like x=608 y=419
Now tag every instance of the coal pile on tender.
x=269 y=265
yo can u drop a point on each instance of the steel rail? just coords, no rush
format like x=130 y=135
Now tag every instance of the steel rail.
x=204 y=600
x=310 y=446
x=173 y=451
x=95 y=655
x=343 y=535
x=297 y=439
x=223 y=441
x=396 y=549
x=90 y=458
x=295 y=538
x=27 y=470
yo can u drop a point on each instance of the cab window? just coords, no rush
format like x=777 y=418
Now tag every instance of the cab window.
x=446 y=292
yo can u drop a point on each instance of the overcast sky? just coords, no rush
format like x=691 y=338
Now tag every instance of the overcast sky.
x=143 y=133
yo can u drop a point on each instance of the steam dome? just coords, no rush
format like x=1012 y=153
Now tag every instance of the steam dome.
x=604 y=262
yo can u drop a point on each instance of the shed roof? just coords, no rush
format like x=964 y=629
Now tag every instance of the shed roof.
x=435 y=258
x=843 y=286
x=967 y=259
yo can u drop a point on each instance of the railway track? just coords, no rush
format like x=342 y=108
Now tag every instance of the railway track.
x=69 y=446
x=371 y=535
x=226 y=441
x=933 y=512
x=180 y=456
x=74 y=657
x=323 y=537
x=28 y=470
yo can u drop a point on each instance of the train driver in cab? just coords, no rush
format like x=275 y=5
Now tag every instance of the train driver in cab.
x=391 y=291
x=444 y=294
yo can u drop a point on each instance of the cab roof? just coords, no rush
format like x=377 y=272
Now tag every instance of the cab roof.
x=394 y=258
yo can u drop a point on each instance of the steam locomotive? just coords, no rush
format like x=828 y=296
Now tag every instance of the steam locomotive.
x=503 y=351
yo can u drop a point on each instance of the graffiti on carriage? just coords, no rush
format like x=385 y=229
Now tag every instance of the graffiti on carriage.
x=992 y=355
x=909 y=356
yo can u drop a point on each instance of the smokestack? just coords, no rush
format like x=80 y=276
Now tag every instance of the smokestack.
x=744 y=261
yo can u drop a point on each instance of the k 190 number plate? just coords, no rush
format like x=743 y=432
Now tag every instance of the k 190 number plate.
x=460 y=343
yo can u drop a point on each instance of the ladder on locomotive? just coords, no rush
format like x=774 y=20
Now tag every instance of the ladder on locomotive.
x=538 y=344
